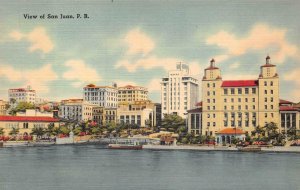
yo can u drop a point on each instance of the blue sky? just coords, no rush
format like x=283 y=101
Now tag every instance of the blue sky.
x=137 y=42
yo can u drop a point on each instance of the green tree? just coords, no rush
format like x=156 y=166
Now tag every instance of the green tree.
x=64 y=130
x=1 y=131
x=172 y=122
x=21 y=107
x=271 y=130
x=258 y=131
x=51 y=130
x=14 y=131
x=38 y=131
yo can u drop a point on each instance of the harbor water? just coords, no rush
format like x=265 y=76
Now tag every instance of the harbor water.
x=91 y=167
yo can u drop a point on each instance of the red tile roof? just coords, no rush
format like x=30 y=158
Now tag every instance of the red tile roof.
x=28 y=118
x=239 y=83
x=231 y=131
x=268 y=65
x=288 y=108
x=285 y=102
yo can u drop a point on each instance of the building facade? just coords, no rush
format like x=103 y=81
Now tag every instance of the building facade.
x=132 y=93
x=242 y=104
x=179 y=91
x=76 y=110
x=3 y=107
x=25 y=124
x=17 y=95
x=104 y=96
x=141 y=113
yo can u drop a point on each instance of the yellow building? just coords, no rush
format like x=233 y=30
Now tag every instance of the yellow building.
x=3 y=107
x=132 y=93
x=25 y=124
x=242 y=104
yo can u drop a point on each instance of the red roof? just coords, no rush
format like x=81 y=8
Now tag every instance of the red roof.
x=231 y=131
x=211 y=68
x=239 y=83
x=288 y=108
x=196 y=110
x=267 y=65
x=199 y=104
x=28 y=118
x=285 y=102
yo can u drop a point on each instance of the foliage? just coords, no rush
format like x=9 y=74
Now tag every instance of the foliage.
x=1 y=131
x=38 y=131
x=21 y=107
x=172 y=122
x=64 y=130
x=14 y=131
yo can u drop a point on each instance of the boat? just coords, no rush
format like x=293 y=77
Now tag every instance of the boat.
x=127 y=145
x=249 y=149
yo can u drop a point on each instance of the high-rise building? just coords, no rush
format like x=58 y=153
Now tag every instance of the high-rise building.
x=104 y=96
x=239 y=104
x=179 y=91
x=17 y=95
x=131 y=93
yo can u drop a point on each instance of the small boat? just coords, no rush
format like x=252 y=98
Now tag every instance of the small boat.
x=127 y=145
x=249 y=149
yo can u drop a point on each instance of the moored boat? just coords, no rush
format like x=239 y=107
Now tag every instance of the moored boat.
x=126 y=145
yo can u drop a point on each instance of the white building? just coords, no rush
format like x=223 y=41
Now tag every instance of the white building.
x=104 y=96
x=21 y=95
x=179 y=91
x=76 y=110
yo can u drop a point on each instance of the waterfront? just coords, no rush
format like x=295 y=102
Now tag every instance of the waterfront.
x=94 y=167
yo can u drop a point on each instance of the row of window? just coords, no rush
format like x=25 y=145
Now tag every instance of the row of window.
x=239 y=91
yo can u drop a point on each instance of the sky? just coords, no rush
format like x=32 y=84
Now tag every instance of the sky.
x=137 y=42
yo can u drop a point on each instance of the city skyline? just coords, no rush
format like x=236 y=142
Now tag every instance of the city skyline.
x=58 y=57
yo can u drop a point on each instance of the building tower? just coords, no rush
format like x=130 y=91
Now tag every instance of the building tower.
x=179 y=91
x=268 y=106
x=211 y=99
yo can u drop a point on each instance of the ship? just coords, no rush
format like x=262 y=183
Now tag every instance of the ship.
x=129 y=145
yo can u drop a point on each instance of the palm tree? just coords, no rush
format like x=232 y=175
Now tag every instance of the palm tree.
x=14 y=131
x=1 y=131
x=271 y=129
x=38 y=131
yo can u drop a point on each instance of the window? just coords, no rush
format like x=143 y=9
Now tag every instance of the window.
x=246 y=99
x=266 y=99
x=208 y=107
x=225 y=107
x=214 y=85
x=266 y=107
x=208 y=93
x=239 y=99
x=271 y=106
x=265 y=83
x=271 y=83
x=225 y=115
x=246 y=90
x=214 y=107
x=240 y=107
x=214 y=115
x=214 y=101
x=253 y=99
x=266 y=92
x=272 y=115
x=225 y=91
x=232 y=107
x=266 y=115
x=271 y=99
x=253 y=107
x=232 y=90
x=208 y=115
x=253 y=90
x=225 y=123
x=214 y=93
x=246 y=107
x=232 y=100
x=208 y=124
x=207 y=85
x=225 y=100
x=214 y=124
x=239 y=91
x=271 y=91
x=208 y=100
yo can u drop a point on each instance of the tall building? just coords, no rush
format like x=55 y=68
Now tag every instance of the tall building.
x=104 y=96
x=179 y=91
x=21 y=95
x=239 y=104
x=132 y=93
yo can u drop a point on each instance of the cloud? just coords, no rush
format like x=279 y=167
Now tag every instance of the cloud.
x=293 y=76
x=234 y=65
x=38 y=39
x=152 y=62
x=138 y=42
x=122 y=83
x=80 y=73
x=261 y=37
x=154 y=85
x=37 y=78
